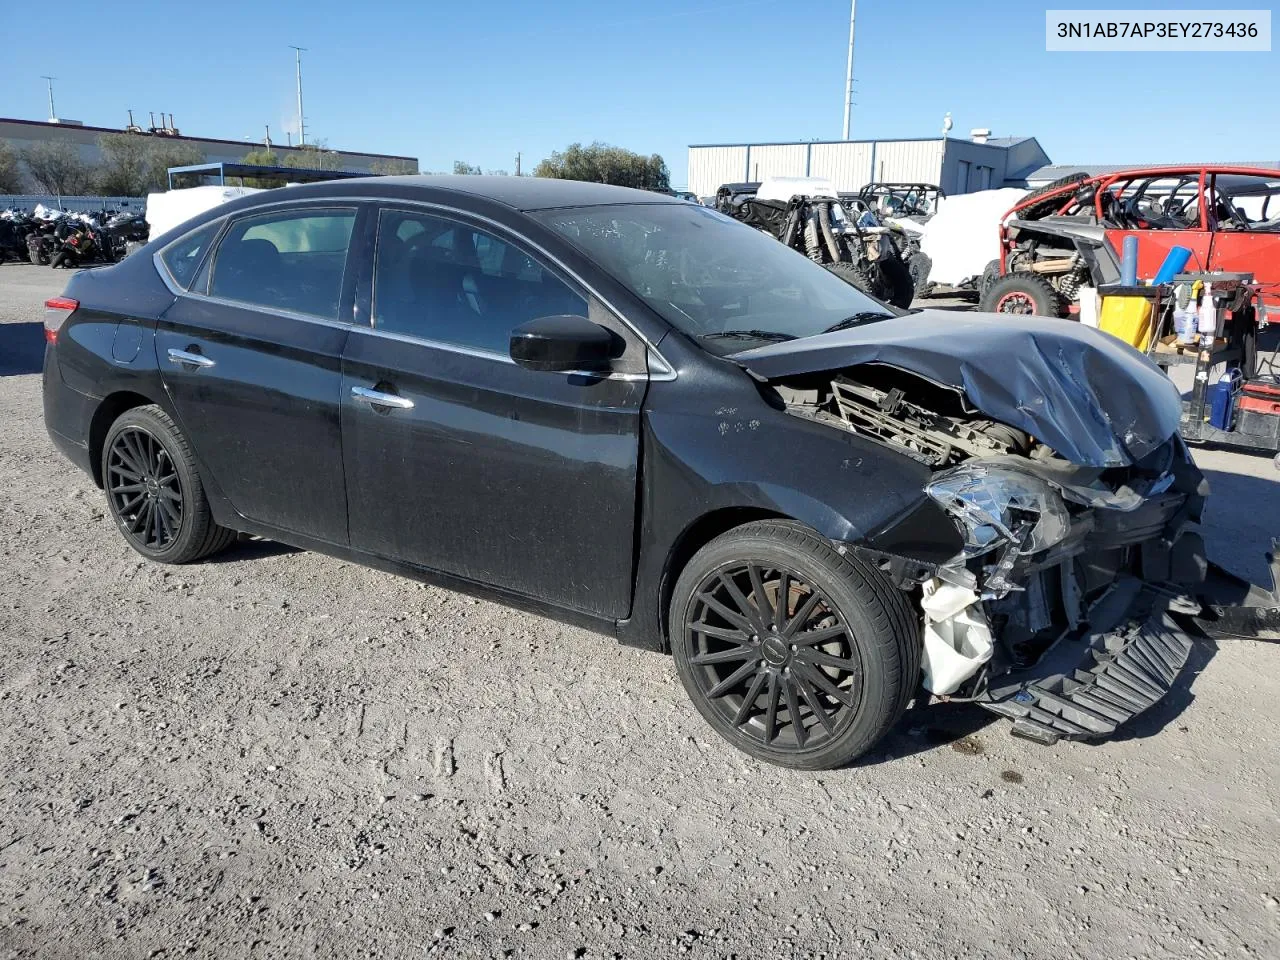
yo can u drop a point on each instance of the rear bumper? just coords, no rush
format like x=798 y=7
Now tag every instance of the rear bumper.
x=68 y=415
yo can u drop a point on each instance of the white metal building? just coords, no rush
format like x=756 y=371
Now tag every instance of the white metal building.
x=958 y=166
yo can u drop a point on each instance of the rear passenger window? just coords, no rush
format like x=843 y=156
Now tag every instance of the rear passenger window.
x=285 y=261
x=450 y=282
x=183 y=257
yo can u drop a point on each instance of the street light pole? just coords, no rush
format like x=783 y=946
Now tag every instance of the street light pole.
x=302 y=126
x=52 y=113
x=848 y=78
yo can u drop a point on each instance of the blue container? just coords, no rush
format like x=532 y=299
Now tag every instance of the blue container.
x=1222 y=399
x=1129 y=262
x=1172 y=266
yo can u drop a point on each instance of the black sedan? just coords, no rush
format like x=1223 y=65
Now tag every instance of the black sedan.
x=637 y=415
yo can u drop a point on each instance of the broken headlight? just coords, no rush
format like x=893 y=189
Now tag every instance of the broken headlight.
x=1001 y=505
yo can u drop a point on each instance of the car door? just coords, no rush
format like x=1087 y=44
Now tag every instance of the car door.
x=251 y=358
x=460 y=461
x=1246 y=229
x=1163 y=212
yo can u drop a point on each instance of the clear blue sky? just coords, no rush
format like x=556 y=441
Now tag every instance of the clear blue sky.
x=479 y=81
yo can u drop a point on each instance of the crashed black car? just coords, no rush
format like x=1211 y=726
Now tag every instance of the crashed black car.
x=637 y=415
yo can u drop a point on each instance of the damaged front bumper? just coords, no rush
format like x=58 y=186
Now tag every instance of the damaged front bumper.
x=1101 y=675
x=1071 y=622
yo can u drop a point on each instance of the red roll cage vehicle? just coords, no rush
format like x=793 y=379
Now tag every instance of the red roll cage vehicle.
x=1070 y=233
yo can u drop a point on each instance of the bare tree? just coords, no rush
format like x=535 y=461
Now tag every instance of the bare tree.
x=57 y=168
x=10 y=174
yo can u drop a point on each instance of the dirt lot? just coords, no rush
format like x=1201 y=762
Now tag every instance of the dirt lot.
x=279 y=754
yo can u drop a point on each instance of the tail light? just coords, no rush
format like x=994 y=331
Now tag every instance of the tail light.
x=56 y=311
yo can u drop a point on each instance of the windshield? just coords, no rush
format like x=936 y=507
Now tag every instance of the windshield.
x=729 y=285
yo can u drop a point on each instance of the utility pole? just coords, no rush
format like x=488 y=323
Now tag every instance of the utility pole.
x=517 y=163
x=848 y=78
x=302 y=124
x=52 y=113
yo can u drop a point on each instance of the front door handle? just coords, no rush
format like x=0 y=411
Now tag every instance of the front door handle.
x=376 y=398
x=190 y=359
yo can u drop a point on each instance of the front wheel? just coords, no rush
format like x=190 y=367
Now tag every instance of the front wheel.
x=153 y=491
x=792 y=652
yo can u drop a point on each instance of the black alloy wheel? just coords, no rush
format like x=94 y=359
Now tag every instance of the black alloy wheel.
x=145 y=491
x=774 y=656
x=794 y=651
x=154 y=492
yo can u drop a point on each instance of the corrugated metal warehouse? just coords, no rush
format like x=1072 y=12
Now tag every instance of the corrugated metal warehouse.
x=958 y=166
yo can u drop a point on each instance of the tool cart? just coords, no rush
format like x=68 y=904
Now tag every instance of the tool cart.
x=1230 y=405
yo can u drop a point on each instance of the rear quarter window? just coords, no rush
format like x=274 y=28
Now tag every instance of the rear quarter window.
x=183 y=257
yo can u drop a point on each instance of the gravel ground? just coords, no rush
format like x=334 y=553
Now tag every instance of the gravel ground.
x=280 y=754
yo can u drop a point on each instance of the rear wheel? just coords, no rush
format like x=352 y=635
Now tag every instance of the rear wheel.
x=792 y=652
x=1023 y=293
x=153 y=491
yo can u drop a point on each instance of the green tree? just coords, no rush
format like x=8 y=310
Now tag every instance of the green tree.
x=462 y=168
x=391 y=167
x=10 y=173
x=602 y=163
x=133 y=164
x=57 y=167
x=313 y=156
x=258 y=158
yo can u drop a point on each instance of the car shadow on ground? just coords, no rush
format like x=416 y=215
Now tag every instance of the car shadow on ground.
x=21 y=348
x=927 y=726
x=251 y=548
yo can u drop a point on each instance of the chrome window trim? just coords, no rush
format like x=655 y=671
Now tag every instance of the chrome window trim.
x=163 y=268
x=667 y=373
x=664 y=371
x=270 y=311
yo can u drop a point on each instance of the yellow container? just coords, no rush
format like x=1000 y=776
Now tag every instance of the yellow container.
x=1128 y=318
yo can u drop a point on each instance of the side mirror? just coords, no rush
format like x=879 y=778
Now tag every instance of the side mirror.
x=563 y=343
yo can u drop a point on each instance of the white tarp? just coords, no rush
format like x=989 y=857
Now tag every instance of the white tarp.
x=166 y=210
x=784 y=188
x=964 y=235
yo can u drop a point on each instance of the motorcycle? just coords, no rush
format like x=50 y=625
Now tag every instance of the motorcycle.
x=78 y=243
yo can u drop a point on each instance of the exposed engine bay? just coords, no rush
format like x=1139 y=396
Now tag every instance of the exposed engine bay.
x=1058 y=608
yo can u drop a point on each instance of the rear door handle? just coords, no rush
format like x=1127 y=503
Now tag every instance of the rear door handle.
x=376 y=398
x=191 y=359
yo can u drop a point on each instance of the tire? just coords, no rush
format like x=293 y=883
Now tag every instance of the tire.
x=154 y=492
x=58 y=260
x=844 y=663
x=36 y=254
x=901 y=288
x=990 y=274
x=862 y=275
x=919 y=265
x=1034 y=211
x=1023 y=293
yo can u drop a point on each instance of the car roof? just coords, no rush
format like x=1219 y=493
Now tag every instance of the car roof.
x=518 y=193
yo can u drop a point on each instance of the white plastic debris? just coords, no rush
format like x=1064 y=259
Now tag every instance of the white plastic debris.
x=964 y=235
x=957 y=637
x=166 y=210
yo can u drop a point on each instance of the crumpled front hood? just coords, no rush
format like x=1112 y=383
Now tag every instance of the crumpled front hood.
x=1093 y=399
